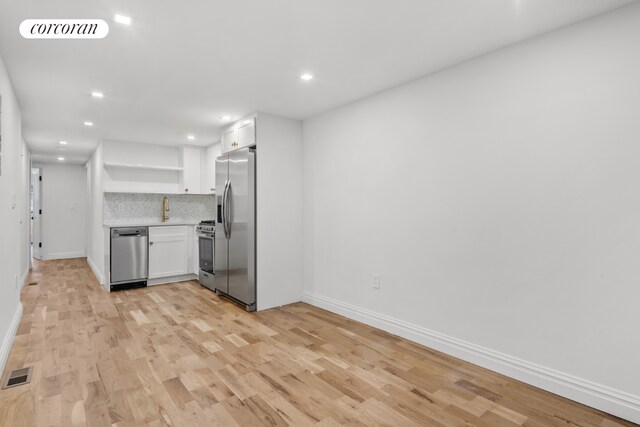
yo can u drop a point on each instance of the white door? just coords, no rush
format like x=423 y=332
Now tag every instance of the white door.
x=168 y=251
x=36 y=221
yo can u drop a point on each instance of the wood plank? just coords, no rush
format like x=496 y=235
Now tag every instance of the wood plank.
x=179 y=355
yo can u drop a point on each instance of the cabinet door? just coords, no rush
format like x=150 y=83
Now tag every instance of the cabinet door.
x=195 y=244
x=246 y=133
x=228 y=139
x=168 y=251
x=209 y=169
x=191 y=170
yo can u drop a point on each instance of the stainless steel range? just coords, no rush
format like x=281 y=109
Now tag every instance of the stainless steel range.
x=206 y=238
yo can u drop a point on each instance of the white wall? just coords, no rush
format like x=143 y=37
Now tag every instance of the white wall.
x=14 y=224
x=279 y=211
x=64 y=210
x=25 y=222
x=95 y=231
x=499 y=200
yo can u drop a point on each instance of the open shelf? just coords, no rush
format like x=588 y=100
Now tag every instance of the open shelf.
x=140 y=166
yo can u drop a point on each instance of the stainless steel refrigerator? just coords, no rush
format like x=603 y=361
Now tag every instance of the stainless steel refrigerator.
x=235 y=241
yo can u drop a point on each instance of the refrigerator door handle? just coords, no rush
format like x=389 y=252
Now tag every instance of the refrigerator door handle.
x=224 y=195
x=224 y=209
x=227 y=214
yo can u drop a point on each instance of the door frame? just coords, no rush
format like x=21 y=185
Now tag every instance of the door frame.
x=36 y=232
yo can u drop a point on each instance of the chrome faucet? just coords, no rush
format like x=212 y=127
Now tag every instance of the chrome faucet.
x=165 y=208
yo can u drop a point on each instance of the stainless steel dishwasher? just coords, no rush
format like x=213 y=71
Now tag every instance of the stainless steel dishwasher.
x=129 y=257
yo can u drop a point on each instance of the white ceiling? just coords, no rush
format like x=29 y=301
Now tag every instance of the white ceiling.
x=182 y=65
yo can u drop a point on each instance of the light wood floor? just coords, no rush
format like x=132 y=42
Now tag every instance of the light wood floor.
x=178 y=355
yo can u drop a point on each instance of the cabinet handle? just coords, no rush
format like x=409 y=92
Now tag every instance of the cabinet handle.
x=186 y=189
x=150 y=243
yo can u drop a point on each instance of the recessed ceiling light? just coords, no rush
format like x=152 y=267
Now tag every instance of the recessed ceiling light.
x=61 y=159
x=97 y=94
x=121 y=19
x=191 y=137
x=226 y=118
x=63 y=142
x=88 y=123
x=306 y=77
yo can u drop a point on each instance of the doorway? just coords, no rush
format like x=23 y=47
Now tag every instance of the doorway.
x=35 y=198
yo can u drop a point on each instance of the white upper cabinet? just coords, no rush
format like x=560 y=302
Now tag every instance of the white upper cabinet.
x=239 y=134
x=208 y=168
x=191 y=173
x=228 y=139
x=247 y=132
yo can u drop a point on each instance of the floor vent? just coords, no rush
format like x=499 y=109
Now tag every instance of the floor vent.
x=33 y=283
x=18 y=377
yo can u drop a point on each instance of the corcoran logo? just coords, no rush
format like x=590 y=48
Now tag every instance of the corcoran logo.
x=64 y=29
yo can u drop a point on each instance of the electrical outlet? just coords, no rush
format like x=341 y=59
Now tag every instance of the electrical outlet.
x=376 y=280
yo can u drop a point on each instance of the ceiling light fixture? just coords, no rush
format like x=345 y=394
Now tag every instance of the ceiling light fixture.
x=306 y=77
x=191 y=137
x=97 y=94
x=63 y=142
x=88 y=123
x=61 y=159
x=226 y=118
x=121 y=19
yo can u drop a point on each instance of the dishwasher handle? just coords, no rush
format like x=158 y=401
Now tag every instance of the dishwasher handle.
x=129 y=232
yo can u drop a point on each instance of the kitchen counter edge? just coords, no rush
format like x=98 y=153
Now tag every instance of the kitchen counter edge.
x=148 y=224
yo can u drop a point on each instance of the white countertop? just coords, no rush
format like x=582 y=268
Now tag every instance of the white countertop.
x=147 y=223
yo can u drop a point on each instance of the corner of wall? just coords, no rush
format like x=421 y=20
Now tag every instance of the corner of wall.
x=279 y=220
x=7 y=340
x=96 y=270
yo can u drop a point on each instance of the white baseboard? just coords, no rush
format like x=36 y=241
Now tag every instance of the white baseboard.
x=63 y=255
x=23 y=279
x=598 y=396
x=171 y=279
x=7 y=340
x=96 y=270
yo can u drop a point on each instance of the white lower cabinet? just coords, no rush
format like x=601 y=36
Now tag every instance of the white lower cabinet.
x=169 y=249
x=195 y=262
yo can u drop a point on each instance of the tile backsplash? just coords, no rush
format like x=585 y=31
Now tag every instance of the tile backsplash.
x=145 y=208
